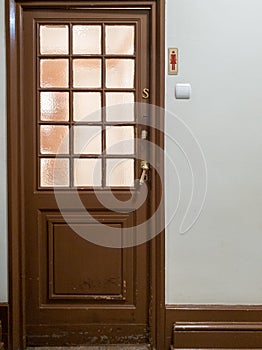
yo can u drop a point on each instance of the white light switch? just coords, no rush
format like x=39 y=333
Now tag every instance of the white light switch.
x=183 y=91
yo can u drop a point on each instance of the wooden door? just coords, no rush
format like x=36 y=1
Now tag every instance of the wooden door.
x=76 y=65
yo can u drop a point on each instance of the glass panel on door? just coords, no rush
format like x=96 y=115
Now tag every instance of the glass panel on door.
x=85 y=72
x=120 y=40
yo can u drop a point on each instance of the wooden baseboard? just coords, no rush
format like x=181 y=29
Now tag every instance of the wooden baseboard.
x=213 y=327
x=199 y=335
x=1 y=337
x=4 y=326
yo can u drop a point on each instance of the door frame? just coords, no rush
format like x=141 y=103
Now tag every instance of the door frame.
x=16 y=248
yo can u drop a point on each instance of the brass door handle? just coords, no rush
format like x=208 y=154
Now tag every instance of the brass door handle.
x=145 y=167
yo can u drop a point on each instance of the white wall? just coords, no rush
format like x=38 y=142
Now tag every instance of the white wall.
x=220 y=43
x=3 y=218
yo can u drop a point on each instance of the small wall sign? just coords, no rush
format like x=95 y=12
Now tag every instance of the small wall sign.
x=172 y=61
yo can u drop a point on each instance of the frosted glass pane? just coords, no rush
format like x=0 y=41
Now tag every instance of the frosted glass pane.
x=122 y=113
x=87 y=139
x=53 y=39
x=87 y=172
x=86 y=39
x=120 y=40
x=54 y=106
x=120 y=140
x=54 y=73
x=54 y=139
x=120 y=73
x=119 y=172
x=87 y=106
x=54 y=172
x=87 y=73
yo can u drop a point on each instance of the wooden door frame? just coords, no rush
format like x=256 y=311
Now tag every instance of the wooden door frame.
x=16 y=249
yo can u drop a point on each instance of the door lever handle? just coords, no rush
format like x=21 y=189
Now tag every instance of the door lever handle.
x=145 y=167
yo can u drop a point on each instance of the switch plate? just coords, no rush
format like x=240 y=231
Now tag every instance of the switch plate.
x=183 y=91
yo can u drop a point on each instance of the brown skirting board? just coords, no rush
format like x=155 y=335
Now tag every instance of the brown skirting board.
x=213 y=327
x=4 y=322
x=1 y=337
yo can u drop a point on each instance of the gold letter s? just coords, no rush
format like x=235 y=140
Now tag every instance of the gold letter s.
x=145 y=93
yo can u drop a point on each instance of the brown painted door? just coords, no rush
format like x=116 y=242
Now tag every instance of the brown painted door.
x=85 y=283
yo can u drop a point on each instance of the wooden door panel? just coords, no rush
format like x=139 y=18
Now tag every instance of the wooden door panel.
x=78 y=292
x=78 y=270
x=87 y=334
x=68 y=275
x=75 y=257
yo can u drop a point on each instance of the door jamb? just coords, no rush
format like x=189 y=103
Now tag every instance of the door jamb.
x=14 y=11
